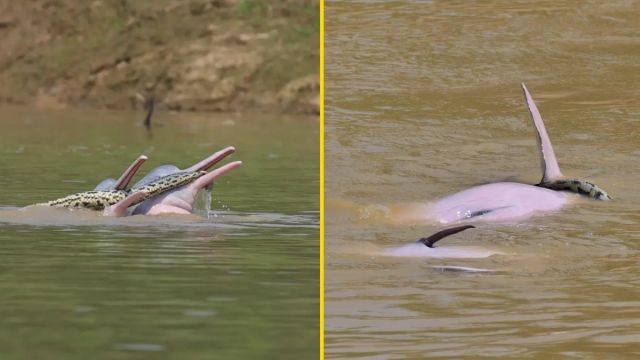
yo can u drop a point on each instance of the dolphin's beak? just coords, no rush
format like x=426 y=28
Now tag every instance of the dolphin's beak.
x=207 y=179
x=205 y=164
x=128 y=174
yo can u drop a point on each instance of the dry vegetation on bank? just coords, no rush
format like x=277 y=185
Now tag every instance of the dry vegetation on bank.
x=213 y=55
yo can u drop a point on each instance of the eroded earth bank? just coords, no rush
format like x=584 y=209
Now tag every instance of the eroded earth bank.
x=201 y=55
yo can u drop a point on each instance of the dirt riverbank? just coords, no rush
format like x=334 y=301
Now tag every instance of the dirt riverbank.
x=213 y=55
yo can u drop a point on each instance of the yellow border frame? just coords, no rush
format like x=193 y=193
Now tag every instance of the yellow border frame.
x=321 y=179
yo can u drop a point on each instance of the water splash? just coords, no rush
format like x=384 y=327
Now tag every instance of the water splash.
x=205 y=196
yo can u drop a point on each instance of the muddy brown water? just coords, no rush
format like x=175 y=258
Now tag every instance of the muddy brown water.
x=239 y=282
x=423 y=100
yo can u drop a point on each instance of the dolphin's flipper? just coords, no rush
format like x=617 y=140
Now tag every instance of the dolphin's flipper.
x=120 y=208
x=125 y=178
x=549 y=163
x=429 y=241
x=484 y=212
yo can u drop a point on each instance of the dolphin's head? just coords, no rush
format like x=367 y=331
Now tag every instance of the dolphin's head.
x=182 y=199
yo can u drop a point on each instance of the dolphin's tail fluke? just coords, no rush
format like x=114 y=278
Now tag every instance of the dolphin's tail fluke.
x=548 y=161
x=429 y=241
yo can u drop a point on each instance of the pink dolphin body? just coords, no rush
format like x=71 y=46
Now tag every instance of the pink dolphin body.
x=166 y=189
x=177 y=201
x=508 y=201
x=182 y=199
x=503 y=201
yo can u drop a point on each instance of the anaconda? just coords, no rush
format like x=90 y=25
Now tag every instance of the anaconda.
x=99 y=200
x=577 y=186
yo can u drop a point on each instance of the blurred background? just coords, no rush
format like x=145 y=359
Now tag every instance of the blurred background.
x=223 y=55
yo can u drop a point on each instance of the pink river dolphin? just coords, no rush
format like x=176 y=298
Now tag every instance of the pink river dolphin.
x=166 y=189
x=503 y=201
x=182 y=199
x=176 y=201
x=425 y=247
x=509 y=201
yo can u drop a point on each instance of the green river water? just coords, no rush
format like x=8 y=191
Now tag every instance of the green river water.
x=240 y=283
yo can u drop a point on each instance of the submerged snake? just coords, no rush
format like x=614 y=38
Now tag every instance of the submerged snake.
x=577 y=186
x=100 y=199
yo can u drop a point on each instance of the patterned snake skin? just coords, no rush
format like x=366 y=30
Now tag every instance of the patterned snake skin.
x=99 y=200
x=577 y=186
